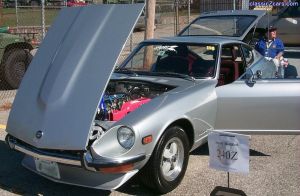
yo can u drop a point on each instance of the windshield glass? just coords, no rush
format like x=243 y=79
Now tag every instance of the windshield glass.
x=173 y=60
x=233 y=26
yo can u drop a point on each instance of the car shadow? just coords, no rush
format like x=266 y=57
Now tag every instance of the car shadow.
x=204 y=151
x=135 y=187
x=16 y=179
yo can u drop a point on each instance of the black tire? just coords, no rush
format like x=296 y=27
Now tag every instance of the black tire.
x=153 y=174
x=14 y=65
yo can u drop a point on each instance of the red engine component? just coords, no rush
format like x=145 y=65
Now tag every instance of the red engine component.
x=127 y=107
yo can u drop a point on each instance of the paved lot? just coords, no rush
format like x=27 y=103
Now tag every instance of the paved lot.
x=274 y=170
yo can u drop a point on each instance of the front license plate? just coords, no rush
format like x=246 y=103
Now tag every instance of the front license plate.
x=48 y=168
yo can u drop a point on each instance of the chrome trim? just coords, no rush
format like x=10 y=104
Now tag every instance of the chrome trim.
x=47 y=158
x=103 y=162
x=15 y=146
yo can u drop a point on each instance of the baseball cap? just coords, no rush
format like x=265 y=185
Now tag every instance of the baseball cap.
x=271 y=28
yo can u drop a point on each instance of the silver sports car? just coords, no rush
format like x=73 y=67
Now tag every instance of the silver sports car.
x=80 y=118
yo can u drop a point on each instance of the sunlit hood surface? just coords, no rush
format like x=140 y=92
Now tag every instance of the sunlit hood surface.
x=66 y=79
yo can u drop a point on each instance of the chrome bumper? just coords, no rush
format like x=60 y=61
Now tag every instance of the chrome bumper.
x=86 y=160
x=13 y=144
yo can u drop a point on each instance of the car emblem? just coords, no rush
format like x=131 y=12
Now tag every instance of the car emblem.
x=39 y=134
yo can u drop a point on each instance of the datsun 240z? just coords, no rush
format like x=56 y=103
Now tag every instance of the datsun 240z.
x=81 y=118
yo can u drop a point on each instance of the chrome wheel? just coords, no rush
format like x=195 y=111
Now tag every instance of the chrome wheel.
x=172 y=159
x=167 y=165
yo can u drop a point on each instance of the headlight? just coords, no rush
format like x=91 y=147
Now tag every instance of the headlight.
x=126 y=137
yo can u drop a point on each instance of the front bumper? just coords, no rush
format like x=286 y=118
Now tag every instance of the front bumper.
x=77 y=170
x=81 y=177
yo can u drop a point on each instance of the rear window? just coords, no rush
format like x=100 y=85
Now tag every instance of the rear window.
x=233 y=26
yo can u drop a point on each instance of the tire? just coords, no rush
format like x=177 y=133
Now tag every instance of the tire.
x=166 y=168
x=14 y=66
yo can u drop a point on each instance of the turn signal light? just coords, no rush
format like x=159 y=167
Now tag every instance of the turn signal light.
x=117 y=169
x=147 y=139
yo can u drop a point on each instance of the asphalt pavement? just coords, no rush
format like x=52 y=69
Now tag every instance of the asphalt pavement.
x=274 y=170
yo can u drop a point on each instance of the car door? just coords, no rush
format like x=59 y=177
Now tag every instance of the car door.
x=267 y=104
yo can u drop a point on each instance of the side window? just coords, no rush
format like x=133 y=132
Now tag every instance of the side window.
x=232 y=64
x=248 y=55
x=266 y=68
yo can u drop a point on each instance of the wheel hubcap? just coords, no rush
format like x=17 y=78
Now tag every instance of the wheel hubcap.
x=172 y=159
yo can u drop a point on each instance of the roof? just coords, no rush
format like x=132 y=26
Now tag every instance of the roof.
x=233 y=12
x=194 y=39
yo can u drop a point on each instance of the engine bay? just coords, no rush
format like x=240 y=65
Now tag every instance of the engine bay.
x=124 y=96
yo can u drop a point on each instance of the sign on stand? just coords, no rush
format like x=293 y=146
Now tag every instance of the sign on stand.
x=228 y=151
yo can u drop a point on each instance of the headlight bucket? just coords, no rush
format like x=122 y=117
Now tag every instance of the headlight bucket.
x=126 y=137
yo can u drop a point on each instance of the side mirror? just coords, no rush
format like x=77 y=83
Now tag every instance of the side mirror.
x=259 y=74
x=250 y=76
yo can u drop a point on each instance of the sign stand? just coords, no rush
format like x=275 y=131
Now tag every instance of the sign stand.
x=228 y=179
x=228 y=152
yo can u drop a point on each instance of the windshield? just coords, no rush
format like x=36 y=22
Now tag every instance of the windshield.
x=233 y=26
x=173 y=60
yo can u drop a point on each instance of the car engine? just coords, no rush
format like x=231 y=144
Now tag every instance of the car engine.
x=124 y=96
x=120 y=98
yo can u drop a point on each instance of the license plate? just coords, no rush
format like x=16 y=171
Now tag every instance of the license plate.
x=48 y=168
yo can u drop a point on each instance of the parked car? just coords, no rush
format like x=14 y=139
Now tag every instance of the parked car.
x=15 y=58
x=81 y=119
x=287 y=22
x=12 y=3
x=75 y=3
x=229 y=23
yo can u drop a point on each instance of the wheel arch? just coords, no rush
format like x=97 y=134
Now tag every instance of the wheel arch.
x=187 y=127
x=150 y=173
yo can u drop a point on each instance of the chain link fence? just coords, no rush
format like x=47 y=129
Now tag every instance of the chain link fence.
x=23 y=23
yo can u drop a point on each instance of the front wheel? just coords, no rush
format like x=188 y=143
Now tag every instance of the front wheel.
x=167 y=165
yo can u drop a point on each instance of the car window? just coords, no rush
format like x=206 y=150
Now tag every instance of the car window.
x=263 y=69
x=291 y=12
x=196 y=60
x=248 y=55
x=232 y=64
x=219 y=26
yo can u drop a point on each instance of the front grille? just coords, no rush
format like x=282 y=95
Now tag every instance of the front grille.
x=67 y=154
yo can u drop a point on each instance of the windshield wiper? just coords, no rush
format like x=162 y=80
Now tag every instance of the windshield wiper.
x=173 y=74
x=125 y=71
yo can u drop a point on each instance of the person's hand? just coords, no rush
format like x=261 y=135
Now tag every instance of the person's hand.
x=277 y=57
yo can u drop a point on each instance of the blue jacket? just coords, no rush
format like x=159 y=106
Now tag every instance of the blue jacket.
x=275 y=47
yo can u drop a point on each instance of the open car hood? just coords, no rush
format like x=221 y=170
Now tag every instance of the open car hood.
x=233 y=24
x=61 y=89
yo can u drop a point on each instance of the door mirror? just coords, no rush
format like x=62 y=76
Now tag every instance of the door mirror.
x=250 y=76
x=259 y=74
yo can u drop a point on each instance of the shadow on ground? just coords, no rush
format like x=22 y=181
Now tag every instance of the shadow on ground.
x=16 y=179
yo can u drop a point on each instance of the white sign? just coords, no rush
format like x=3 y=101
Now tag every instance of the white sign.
x=228 y=151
